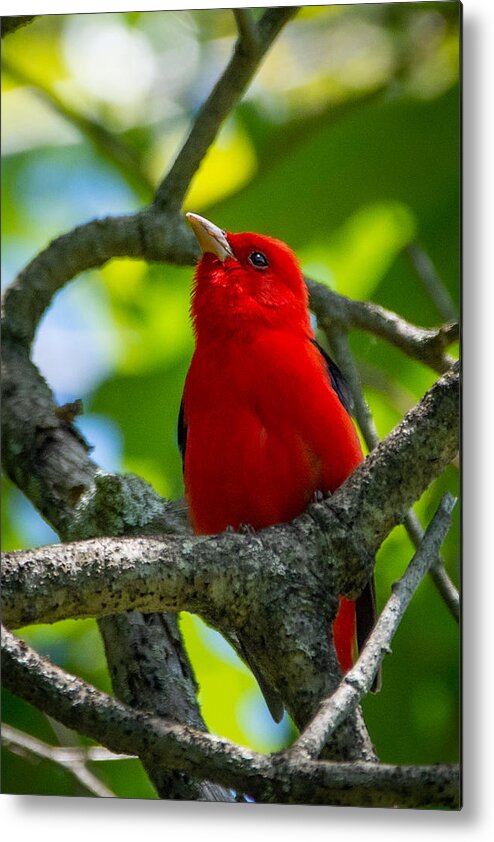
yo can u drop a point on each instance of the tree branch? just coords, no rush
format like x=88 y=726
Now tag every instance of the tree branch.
x=434 y=285
x=58 y=754
x=358 y=681
x=423 y=344
x=438 y=574
x=338 y=340
x=279 y=778
x=72 y=759
x=221 y=101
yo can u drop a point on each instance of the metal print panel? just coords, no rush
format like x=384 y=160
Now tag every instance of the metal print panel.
x=231 y=442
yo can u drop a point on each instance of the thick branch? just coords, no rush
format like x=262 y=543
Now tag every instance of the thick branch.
x=280 y=778
x=104 y=576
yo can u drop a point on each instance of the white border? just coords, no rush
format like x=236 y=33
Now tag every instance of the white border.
x=24 y=7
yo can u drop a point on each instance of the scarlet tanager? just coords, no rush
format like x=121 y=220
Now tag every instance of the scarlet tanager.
x=264 y=423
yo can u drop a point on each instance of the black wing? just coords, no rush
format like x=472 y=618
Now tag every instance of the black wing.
x=182 y=432
x=337 y=379
x=366 y=616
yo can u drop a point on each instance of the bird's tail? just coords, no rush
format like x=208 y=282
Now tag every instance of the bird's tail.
x=355 y=617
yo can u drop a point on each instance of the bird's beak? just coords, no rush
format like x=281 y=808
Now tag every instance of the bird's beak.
x=209 y=236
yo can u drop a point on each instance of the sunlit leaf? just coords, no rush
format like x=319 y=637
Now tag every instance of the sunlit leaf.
x=229 y=164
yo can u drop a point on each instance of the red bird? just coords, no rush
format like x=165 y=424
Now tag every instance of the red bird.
x=264 y=422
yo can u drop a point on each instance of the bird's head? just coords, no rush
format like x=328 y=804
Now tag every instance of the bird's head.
x=245 y=281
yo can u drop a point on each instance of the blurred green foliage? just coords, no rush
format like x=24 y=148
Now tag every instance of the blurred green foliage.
x=347 y=147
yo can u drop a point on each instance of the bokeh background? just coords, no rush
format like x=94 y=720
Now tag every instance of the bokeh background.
x=347 y=147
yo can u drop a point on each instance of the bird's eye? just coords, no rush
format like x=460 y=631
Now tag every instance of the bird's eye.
x=258 y=260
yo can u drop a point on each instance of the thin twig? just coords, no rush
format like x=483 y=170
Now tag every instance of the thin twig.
x=358 y=681
x=72 y=759
x=59 y=754
x=434 y=285
x=438 y=573
x=339 y=343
